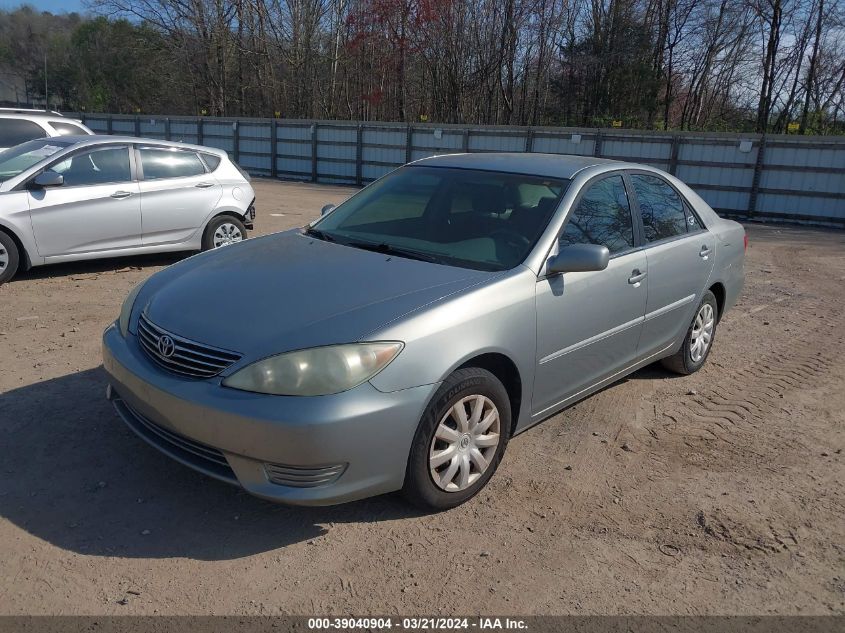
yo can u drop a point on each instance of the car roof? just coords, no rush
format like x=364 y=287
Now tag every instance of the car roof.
x=549 y=165
x=98 y=139
x=33 y=115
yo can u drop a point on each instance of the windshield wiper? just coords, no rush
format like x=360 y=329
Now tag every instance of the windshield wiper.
x=320 y=235
x=389 y=249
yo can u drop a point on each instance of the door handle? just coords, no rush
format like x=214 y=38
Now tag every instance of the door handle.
x=704 y=252
x=204 y=185
x=120 y=195
x=636 y=277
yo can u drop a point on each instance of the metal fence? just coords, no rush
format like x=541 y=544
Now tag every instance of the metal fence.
x=774 y=177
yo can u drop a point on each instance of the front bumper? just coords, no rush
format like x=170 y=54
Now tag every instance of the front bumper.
x=341 y=447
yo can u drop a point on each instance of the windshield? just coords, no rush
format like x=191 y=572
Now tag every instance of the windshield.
x=475 y=219
x=16 y=160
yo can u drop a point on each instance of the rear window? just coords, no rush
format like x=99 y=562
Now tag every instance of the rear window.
x=166 y=163
x=16 y=131
x=65 y=128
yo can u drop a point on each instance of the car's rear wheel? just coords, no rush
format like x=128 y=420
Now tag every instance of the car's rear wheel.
x=9 y=257
x=699 y=339
x=460 y=440
x=223 y=231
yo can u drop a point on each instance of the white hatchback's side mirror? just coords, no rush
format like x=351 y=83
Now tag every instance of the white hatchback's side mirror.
x=48 y=179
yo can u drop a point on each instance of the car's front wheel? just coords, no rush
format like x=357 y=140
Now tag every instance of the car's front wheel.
x=222 y=231
x=460 y=440
x=699 y=339
x=9 y=257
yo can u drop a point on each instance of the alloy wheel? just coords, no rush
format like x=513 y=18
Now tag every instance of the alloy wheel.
x=4 y=258
x=464 y=443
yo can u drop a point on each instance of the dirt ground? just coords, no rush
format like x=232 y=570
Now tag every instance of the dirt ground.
x=718 y=493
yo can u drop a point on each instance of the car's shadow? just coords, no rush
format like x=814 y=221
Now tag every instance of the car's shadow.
x=74 y=476
x=95 y=266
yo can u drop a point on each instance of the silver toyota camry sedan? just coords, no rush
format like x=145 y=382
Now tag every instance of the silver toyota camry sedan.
x=401 y=340
x=87 y=197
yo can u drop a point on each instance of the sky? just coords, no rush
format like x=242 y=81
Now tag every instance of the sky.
x=53 y=6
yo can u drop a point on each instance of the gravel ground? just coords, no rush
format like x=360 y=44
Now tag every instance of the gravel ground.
x=718 y=493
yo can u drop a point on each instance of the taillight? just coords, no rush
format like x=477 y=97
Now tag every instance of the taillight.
x=745 y=241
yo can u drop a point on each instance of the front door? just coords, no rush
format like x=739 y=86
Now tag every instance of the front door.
x=589 y=323
x=96 y=209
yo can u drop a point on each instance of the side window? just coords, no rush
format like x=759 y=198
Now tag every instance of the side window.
x=693 y=223
x=663 y=212
x=16 y=131
x=603 y=216
x=65 y=128
x=212 y=161
x=165 y=163
x=96 y=167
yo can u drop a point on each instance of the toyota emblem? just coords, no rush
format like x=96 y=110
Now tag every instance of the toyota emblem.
x=166 y=346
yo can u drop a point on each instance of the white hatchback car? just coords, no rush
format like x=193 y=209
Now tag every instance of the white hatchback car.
x=19 y=126
x=86 y=197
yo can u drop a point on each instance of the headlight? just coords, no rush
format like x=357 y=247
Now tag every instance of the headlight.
x=126 y=309
x=319 y=371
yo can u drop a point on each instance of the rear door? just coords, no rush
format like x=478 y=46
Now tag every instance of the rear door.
x=680 y=254
x=96 y=209
x=177 y=193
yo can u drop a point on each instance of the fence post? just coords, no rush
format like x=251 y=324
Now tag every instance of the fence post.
x=314 y=152
x=409 y=137
x=200 y=135
x=529 y=140
x=597 y=144
x=466 y=141
x=673 y=159
x=755 y=182
x=274 y=170
x=109 y=124
x=167 y=128
x=137 y=125
x=236 y=141
x=359 y=155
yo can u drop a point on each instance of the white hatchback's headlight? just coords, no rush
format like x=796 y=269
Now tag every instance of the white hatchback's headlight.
x=126 y=309
x=319 y=371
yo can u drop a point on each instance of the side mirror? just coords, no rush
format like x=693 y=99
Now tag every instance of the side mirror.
x=579 y=258
x=47 y=179
x=326 y=209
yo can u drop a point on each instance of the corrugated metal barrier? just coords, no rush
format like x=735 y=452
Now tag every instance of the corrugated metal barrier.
x=773 y=177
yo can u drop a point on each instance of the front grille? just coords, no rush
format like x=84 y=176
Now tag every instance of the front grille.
x=188 y=358
x=191 y=453
x=298 y=477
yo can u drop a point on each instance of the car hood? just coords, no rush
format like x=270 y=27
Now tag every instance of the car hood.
x=290 y=291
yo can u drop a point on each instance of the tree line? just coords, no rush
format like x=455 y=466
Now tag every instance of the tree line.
x=762 y=65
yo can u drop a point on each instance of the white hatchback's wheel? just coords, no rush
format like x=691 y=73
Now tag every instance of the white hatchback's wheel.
x=9 y=257
x=223 y=230
x=460 y=440
x=464 y=443
x=227 y=233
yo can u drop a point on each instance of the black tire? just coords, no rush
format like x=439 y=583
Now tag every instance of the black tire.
x=220 y=220
x=420 y=488
x=9 y=257
x=681 y=362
